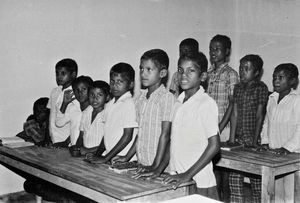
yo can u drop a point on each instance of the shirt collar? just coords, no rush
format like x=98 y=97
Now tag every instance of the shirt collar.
x=213 y=68
x=276 y=94
x=199 y=93
x=123 y=97
x=156 y=92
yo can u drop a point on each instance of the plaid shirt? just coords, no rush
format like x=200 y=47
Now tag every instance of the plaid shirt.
x=247 y=100
x=151 y=113
x=220 y=86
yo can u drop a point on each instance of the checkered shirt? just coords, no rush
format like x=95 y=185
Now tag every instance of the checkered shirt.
x=247 y=100
x=220 y=86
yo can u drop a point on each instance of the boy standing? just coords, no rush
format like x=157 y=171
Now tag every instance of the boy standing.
x=194 y=138
x=120 y=115
x=281 y=129
x=155 y=111
x=188 y=45
x=66 y=72
x=221 y=81
x=250 y=99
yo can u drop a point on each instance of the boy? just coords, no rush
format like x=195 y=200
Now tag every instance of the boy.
x=281 y=129
x=221 y=81
x=155 y=111
x=70 y=112
x=188 y=45
x=120 y=115
x=250 y=99
x=92 y=121
x=66 y=72
x=194 y=138
x=36 y=127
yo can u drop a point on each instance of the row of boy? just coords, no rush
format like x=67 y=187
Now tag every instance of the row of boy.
x=184 y=132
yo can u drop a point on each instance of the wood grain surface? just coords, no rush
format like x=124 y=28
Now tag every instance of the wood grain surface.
x=98 y=177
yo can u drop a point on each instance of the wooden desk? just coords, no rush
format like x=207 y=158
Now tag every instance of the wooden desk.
x=96 y=182
x=266 y=164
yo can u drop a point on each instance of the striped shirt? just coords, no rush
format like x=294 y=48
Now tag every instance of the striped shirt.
x=221 y=85
x=282 y=122
x=150 y=114
x=247 y=99
x=93 y=132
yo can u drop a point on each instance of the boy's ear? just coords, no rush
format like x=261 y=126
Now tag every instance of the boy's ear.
x=163 y=73
x=227 y=52
x=131 y=85
x=74 y=74
x=203 y=76
x=107 y=98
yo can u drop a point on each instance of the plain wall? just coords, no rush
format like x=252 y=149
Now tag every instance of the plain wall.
x=35 y=34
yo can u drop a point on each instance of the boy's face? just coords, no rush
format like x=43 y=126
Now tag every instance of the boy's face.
x=81 y=92
x=150 y=75
x=119 y=85
x=185 y=49
x=64 y=77
x=247 y=72
x=41 y=113
x=217 y=52
x=189 y=76
x=97 y=98
x=281 y=83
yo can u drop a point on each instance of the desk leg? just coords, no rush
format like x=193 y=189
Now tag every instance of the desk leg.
x=268 y=185
x=297 y=186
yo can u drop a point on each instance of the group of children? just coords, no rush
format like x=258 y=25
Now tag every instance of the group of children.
x=178 y=133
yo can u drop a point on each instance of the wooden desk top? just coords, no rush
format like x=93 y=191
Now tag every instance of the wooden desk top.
x=95 y=176
x=265 y=158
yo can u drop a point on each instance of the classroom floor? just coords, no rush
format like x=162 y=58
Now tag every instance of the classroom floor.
x=24 y=197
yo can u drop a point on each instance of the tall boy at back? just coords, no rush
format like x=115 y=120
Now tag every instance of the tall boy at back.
x=250 y=99
x=194 y=136
x=281 y=129
x=221 y=81
x=186 y=46
x=155 y=111
x=120 y=115
x=66 y=71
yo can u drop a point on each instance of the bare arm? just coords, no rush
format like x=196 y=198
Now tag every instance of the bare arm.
x=164 y=140
x=233 y=123
x=227 y=114
x=123 y=142
x=259 y=123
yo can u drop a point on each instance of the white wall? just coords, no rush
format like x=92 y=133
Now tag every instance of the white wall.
x=35 y=34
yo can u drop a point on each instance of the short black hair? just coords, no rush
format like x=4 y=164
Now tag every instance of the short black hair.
x=125 y=70
x=104 y=86
x=69 y=64
x=190 y=42
x=289 y=69
x=199 y=59
x=82 y=79
x=222 y=39
x=43 y=101
x=256 y=61
x=158 y=56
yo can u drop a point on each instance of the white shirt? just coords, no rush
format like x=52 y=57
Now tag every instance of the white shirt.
x=119 y=115
x=60 y=133
x=93 y=132
x=195 y=121
x=282 y=122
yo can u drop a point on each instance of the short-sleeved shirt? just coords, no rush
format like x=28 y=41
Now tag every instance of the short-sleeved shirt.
x=61 y=133
x=282 y=122
x=119 y=115
x=195 y=121
x=221 y=84
x=151 y=113
x=247 y=99
x=93 y=132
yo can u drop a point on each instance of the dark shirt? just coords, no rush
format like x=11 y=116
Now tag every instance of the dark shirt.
x=247 y=99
